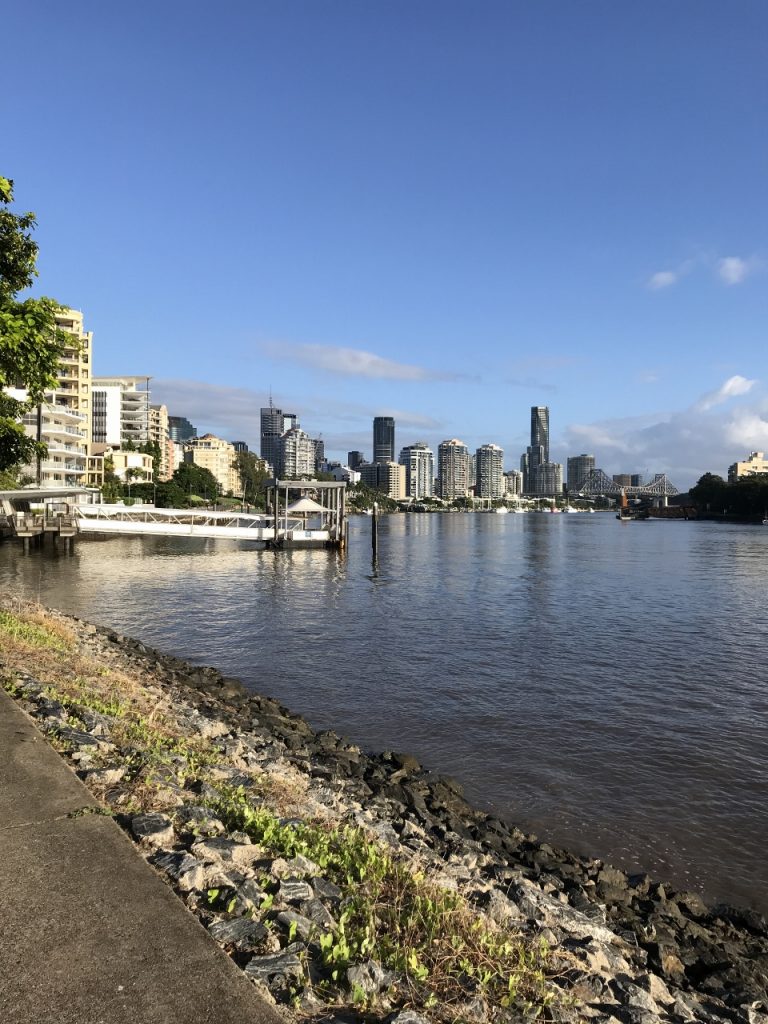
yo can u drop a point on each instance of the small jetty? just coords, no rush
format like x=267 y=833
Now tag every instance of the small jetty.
x=299 y=514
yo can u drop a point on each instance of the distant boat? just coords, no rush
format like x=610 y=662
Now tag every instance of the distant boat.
x=570 y=510
x=501 y=511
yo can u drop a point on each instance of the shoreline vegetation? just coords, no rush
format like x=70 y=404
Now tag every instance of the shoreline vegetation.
x=357 y=887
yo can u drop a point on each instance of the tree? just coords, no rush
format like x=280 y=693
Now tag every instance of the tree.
x=710 y=493
x=253 y=475
x=31 y=344
x=192 y=479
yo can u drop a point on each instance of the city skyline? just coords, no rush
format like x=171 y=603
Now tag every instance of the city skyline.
x=439 y=213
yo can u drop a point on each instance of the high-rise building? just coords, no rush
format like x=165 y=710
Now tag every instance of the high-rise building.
x=383 y=439
x=540 y=430
x=240 y=446
x=65 y=412
x=274 y=423
x=513 y=482
x=355 y=460
x=525 y=472
x=419 y=462
x=547 y=479
x=579 y=468
x=453 y=469
x=387 y=477
x=489 y=471
x=218 y=456
x=540 y=476
x=319 y=453
x=296 y=455
x=120 y=410
x=180 y=429
x=158 y=434
x=623 y=479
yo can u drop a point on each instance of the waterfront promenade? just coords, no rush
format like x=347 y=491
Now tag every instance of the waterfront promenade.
x=89 y=933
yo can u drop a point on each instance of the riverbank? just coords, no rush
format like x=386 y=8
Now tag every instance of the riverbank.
x=341 y=881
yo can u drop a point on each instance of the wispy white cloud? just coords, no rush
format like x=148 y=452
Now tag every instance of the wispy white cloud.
x=731 y=388
x=354 y=362
x=662 y=279
x=667 y=278
x=708 y=436
x=532 y=384
x=729 y=270
x=733 y=269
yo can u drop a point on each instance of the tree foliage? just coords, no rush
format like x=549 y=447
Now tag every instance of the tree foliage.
x=253 y=474
x=192 y=479
x=31 y=344
x=747 y=496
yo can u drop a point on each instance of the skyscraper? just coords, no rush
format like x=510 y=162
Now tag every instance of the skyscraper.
x=540 y=475
x=540 y=430
x=355 y=459
x=419 y=462
x=453 y=469
x=274 y=423
x=579 y=468
x=489 y=471
x=180 y=429
x=383 y=439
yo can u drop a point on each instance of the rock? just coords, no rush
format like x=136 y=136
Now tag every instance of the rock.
x=199 y=820
x=154 y=829
x=292 y=890
x=187 y=871
x=316 y=911
x=249 y=896
x=499 y=907
x=283 y=965
x=243 y=933
x=407 y=1017
x=326 y=890
x=301 y=867
x=220 y=850
x=303 y=926
x=370 y=977
x=211 y=728
x=105 y=776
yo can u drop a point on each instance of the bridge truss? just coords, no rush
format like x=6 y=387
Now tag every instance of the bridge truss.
x=597 y=482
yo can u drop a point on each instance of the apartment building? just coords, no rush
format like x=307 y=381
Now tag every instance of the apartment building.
x=489 y=471
x=159 y=435
x=218 y=456
x=453 y=469
x=387 y=477
x=755 y=464
x=419 y=462
x=120 y=410
x=62 y=420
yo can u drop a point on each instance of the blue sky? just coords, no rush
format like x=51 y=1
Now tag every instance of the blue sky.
x=444 y=211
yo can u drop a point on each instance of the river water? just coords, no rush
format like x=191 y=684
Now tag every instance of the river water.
x=603 y=684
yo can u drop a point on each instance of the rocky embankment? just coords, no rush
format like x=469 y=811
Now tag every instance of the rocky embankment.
x=256 y=821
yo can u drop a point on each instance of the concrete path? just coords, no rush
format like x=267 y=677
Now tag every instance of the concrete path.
x=89 y=933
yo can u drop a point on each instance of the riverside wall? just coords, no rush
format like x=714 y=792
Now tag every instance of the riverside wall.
x=622 y=947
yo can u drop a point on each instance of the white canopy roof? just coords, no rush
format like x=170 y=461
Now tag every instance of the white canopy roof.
x=305 y=505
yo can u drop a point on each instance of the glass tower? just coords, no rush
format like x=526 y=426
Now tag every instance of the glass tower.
x=383 y=439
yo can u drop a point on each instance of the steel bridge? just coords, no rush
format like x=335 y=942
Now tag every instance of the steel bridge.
x=597 y=482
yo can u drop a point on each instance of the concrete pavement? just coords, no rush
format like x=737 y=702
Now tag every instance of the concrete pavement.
x=89 y=933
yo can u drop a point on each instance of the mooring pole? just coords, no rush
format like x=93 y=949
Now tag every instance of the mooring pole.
x=375 y=532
